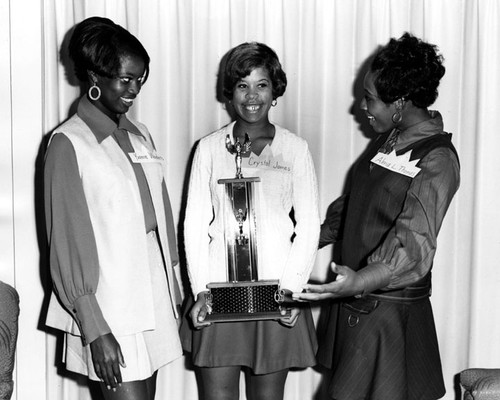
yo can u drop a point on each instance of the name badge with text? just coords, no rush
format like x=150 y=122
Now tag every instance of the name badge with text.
x=399 y=164
x=146 y=157
x=267 y=160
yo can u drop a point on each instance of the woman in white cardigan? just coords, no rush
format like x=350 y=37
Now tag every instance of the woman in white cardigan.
x=266 y=350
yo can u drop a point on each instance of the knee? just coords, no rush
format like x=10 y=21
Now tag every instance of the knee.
x=266 y=393
x=136 y=390
x=220 y=393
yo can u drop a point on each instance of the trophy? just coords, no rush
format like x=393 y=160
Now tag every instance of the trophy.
x=243 y=297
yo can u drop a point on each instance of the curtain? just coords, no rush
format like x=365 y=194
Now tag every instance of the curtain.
x=323 y=46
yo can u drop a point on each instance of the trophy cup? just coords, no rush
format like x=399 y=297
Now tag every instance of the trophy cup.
x=243 y=297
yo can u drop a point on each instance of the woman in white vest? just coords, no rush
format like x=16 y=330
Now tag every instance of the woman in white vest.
x=109 y=224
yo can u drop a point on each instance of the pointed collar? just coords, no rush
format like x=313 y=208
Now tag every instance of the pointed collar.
x=100 y=124
x=424 y=129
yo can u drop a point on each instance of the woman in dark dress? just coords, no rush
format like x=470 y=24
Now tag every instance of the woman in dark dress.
x=381 y=339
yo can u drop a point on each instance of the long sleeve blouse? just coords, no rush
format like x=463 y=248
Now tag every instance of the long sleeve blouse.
x=406 y=253
x=73 y=252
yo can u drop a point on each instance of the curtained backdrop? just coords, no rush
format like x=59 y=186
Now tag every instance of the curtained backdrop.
x=323 y=46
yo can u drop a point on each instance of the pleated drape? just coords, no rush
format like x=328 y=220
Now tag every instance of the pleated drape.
x=323 y=46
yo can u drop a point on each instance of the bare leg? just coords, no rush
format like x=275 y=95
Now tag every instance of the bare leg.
x=151 y=385
x=267 y=386
x=136 y=390
x=221 y=383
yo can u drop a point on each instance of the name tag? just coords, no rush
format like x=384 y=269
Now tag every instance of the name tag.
x=268 y=161
x=146 y=157
x=399 y=164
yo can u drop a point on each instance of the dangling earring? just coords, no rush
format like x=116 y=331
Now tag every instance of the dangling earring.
x=274 y=102
x=94 y=86
x=397 y=117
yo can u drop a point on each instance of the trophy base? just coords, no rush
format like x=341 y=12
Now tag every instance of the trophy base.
x=245 y=301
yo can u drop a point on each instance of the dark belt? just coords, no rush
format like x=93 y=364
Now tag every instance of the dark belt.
x=410 y=294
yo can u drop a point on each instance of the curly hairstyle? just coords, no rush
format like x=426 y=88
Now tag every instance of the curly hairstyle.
x=244 y=58
x=98 y=45
x=408 y=68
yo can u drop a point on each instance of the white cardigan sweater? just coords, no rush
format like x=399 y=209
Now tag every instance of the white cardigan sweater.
x=288 y=180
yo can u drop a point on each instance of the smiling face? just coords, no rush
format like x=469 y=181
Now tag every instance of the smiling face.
x=379 y=113
x=118 y=93
x=252 y=97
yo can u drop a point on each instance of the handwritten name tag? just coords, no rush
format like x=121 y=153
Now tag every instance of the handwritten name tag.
x=146 y=157
x=267 y=161
x=399 y=164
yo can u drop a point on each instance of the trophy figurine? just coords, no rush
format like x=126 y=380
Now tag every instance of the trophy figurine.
x=243 y=297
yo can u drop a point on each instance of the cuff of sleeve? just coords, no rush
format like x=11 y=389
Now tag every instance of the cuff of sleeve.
x=293 y=284
x=90 y=319
x=375 y=276
x=197 y=295
x=327 y=236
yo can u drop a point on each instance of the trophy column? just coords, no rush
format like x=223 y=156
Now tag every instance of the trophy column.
x=240 y=229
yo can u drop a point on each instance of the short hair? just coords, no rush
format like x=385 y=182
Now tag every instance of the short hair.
x=408 y=68
x=98 y=45
x=244 y=58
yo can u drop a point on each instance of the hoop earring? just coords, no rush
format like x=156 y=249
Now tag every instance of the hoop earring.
x=94 y=86
x=397 y=117
x=274 y=102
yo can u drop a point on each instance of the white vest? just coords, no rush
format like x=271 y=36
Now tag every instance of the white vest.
x=124 y=290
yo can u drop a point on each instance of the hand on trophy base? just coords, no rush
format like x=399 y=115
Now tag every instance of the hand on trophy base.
x=290 y=316
x=199 y=311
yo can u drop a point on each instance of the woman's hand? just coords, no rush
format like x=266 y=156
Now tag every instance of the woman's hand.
x=347 y=283
x=107 y=358
x=199 y=311
x=290 y=320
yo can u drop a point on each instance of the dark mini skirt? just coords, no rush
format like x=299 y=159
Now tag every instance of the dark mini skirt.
x=382 y=350
x=263 y=346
